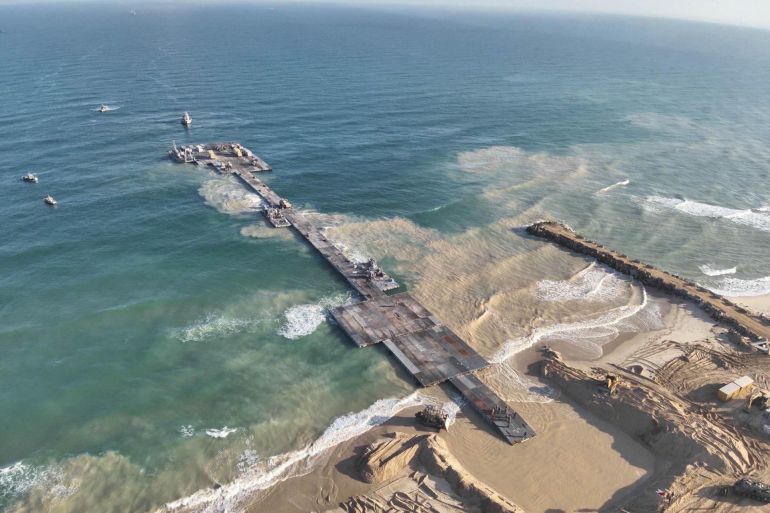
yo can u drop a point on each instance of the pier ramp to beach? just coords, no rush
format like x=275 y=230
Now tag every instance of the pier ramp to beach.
x=429 y=350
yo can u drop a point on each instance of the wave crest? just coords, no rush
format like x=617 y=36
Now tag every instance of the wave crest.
x=588 y=335
x=302 y=320
x=594 y=283
x=736 y=287
x=758 y=218
x=710 y=270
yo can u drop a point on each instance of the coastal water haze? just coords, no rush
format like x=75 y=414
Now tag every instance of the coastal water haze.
x=157 y=338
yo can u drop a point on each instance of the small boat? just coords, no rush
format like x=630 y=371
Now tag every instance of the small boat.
x=49 y=200
x=29 y=177
x=186 y=119
x=133 y=12
x=103 y=108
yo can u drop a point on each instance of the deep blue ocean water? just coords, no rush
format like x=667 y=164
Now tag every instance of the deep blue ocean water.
x=151 y=305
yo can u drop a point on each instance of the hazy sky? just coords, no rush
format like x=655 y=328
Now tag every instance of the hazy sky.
x=736 y=12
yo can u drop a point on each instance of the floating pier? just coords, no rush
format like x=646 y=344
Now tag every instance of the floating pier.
x=221 y=156
x=754 y=326
x=428 y=349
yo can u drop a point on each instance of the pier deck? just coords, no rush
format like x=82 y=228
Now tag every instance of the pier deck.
x=429 y=350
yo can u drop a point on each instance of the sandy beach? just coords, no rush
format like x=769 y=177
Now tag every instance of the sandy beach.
x=577 y=462
x=593 y=462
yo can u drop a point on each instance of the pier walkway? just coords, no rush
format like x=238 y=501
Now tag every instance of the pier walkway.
x=429 y=350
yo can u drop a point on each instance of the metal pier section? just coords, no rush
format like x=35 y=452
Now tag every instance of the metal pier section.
x=428 y=349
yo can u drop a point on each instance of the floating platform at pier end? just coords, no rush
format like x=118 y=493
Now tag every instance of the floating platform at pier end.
x=428 y=349
x=755 y=327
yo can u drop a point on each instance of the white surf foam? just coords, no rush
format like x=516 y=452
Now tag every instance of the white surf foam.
x=16 y=479
x=710 y=270
x=186 y=431
x=279 y=468
x=513 y=387
x=223 y=432
x=594 y=283
x=227 y=196
x=736 y=287
x=588 y=335
x=758 y=218
x=302 y=320
x=614 y=186
x=212 y=326
x=19 y=478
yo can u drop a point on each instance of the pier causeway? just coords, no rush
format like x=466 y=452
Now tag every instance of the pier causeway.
x=427 y=348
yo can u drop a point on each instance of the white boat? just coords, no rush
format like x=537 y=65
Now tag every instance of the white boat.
x=186 y=119
x=29 y=177
x=49 y=200
x=103 y=108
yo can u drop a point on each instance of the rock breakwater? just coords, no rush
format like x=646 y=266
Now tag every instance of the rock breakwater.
x=748 y=324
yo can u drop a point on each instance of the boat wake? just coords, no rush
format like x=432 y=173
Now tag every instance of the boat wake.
x=614 y=186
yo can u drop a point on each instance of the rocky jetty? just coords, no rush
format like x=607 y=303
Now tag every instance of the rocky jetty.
x=746 y=323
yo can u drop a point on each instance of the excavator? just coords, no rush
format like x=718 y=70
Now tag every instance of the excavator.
x=612 y=382
x=758 y=398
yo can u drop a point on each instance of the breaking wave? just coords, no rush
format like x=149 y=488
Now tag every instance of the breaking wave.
x=595 y=283
x=614 y=186
x=228 y=197
x=710 y=270
x=223 y=432
x=758 y=218
x=279 y=468
x=19 y=478
x=302 y=320
x=736 y=287
x=588 y=335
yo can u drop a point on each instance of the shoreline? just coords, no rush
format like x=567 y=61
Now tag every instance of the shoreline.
x=559 y=423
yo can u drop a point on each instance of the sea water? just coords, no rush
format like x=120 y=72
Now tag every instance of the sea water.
x=157 y=338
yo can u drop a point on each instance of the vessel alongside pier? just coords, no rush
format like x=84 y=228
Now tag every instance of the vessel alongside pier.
x=226 y=156
x=428 y=349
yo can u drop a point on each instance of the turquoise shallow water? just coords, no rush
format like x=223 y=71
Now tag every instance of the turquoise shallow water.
x=151 y=306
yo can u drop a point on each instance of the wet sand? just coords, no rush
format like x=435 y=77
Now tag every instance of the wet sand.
x=576 y=462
